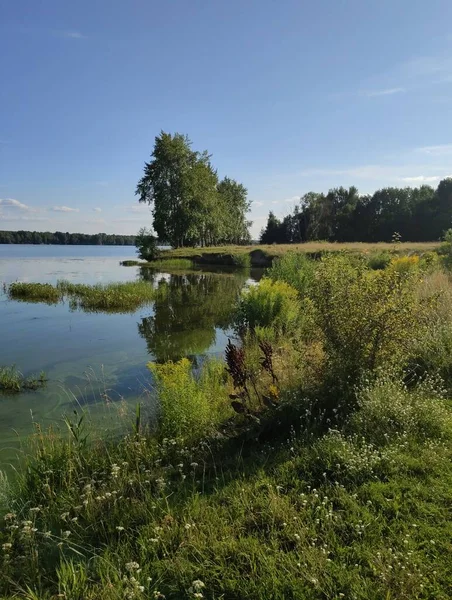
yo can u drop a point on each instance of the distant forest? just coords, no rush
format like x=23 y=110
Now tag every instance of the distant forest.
x=70 y=239
x=343 y=215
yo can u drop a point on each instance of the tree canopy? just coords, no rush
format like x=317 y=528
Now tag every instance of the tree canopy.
x=190 y=206
x=343 y=215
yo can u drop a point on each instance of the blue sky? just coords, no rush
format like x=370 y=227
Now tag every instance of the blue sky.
x=288 y=95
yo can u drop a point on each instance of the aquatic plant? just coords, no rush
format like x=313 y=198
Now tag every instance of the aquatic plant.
x=33 y=292
x=110 y=297
x=12 y=380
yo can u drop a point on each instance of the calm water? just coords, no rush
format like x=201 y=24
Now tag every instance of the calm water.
x=99 y=360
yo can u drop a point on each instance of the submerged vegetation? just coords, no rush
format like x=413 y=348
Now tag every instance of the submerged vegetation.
x=110 y=297
x=314 y=462
x=13 y=381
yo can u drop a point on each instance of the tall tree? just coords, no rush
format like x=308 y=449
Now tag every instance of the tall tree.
x=234 y=205
x=189 y=206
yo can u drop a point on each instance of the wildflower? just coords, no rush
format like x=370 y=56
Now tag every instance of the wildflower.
x=297 y=537
x=198 y=585
x=66 y=534
x=9 y=516
x=132 y=566
x=120 y=528
x=154 y=540
x=36 y=509
x=187 y=526
x=7 y=547
x=193 y=465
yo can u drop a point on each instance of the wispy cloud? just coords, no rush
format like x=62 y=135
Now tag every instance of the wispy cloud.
x=137 y=208
x=97 y=209
x=74 y=35
x=421 y=179
x=384 y=92
x=292 y=199
x=65 y=209
x=257 y=203
x=11 y=203
x=441 y=150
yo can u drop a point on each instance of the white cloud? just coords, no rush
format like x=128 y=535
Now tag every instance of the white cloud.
x=11 y=203
x=74 y=35
x=256 y=203
x=65 y=209
x=137 y=208
x=292 y=199
x=97 y=209
x=384 y=92
x=421 y=179
x=441 y=150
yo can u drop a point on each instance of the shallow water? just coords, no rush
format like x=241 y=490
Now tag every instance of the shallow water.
x=98 y=360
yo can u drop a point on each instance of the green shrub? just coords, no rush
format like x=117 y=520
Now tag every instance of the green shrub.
x=147 y=245
x=379 y=260
x=269 y=304
x=387 y=409
x=189 y=406
x=295 y=268
x=367 y=318
x=242 y=260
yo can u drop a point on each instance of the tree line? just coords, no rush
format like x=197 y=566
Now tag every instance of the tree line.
x=59 y=237
x=343 y=215
x=191 y=206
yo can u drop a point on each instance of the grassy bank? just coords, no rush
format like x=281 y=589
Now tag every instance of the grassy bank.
x=263 y=255
x=110 y=297
x=313 y=462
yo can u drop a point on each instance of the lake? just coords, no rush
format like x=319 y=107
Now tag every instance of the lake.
x=98 y=360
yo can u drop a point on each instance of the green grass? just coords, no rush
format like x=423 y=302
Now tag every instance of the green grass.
x=110 y=297
x=281 y=249
x=33 y=292
x=132 y=263
x=317 y=515
x=12 y=380
x=169 y=263
x=330 y=480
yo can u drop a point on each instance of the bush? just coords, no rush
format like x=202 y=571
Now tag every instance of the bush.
x=367 y=318
x=379 y=261
x=387 y=409
x=295 y=269
x=146 y=244
x=269 y=304
x=405 y=264
x=242 y=260
x=190 y=406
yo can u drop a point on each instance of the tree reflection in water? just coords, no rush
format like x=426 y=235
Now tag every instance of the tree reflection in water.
x=185 y=320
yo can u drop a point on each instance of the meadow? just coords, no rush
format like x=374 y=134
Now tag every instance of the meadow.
x=313 y=461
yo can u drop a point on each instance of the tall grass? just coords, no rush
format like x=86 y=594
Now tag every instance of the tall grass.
x=34 y=292
x=295 y=497
x=272 y=304
x=110 y=297
x=12 y=380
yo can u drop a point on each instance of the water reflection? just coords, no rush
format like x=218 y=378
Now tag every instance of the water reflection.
x=186 y=319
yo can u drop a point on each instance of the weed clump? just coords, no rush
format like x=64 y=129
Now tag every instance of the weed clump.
x=13 y=381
